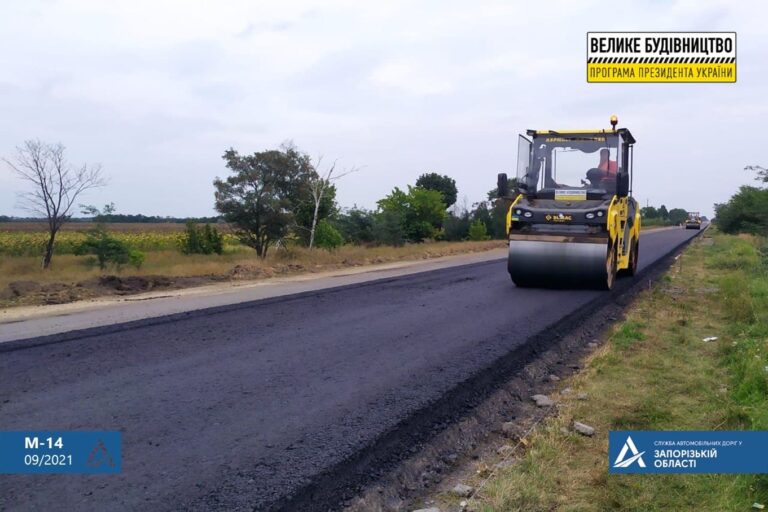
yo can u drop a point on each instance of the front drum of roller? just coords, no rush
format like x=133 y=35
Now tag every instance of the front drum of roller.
x=558 y=264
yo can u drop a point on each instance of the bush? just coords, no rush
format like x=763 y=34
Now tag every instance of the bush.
x=456 y=228
x=420 y=230
x=326 y=236
x=745 y=212
x=677 y=216
x=493 y=213
x=478 y=231
x=424 y=216
x=109 y=250
x=420 y=211
x=388 y=228
x=136 y=258
x=355 y=225
x=201 y=240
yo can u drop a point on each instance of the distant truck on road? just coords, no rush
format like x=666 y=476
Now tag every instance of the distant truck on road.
x=694 y=221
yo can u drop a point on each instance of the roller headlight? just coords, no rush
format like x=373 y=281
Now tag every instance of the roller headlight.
x=600 y=213
x=528 y=215
x=590 y=215
x=518 y=212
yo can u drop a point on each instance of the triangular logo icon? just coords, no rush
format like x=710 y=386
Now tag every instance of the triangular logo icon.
x=629 y=446
x=100 y=456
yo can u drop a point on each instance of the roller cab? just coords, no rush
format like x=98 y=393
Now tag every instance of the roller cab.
x=572 y=221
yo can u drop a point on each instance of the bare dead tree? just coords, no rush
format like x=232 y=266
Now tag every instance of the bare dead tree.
x=56 y=185
x=318 y=187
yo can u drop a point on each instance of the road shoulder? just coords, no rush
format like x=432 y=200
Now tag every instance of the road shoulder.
x=697 y=339
x=29 y=321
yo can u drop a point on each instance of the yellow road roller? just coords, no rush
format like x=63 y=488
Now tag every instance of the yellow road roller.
x=572 y=221
x=693 y=221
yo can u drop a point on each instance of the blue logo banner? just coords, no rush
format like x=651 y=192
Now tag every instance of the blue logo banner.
x=60 y=452
x=643 y=451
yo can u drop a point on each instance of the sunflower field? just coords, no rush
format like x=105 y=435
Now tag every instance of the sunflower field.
x=32 y=243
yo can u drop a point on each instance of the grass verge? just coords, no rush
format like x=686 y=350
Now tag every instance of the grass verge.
x=656 y=373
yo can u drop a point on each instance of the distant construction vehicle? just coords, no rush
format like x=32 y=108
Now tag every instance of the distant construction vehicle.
x=572 y=221
x=694 y=221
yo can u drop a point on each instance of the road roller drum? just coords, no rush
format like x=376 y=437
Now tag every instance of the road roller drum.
x=560 y=264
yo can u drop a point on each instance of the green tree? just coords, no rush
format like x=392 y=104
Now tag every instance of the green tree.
x=305 y=212
x=497 y=226
x=109 y=250
x=677 y=215
x=355 y=225
x=478 y=231
x=260 y=197
x=425 y=213
x=745 y=212
x=441 y=183
x=663 y=213
x=388 y=228
x=481 y=213
x=649 y=212
x=319 y=185
x=214 y=241
x=326 y=236
x=420 y=211
x=456 y=226
x=396 y=201
x=201 y=240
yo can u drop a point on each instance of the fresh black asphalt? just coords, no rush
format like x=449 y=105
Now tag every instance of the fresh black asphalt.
x=238 y=407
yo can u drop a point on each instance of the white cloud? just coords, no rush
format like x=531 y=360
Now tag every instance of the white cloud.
x=157 y=90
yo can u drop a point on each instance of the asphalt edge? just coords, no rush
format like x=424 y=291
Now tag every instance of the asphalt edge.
x=38 y=341
x=340 y=483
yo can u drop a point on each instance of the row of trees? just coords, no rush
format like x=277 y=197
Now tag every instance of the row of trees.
x=273 y=194
x=278 y=195
x=673 y=217
x=420 y=213
x=747 y=210
x=269 y=197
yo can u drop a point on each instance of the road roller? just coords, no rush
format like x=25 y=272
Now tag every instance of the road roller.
x=693 y=221
x=572 y=221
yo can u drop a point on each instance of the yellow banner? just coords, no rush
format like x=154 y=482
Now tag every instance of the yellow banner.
x=661 y=72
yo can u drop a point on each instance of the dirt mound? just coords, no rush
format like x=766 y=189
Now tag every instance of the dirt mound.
x=249 y=272
x=289 y=268
x=134 y=284
x=21 y=288
x=34 y=292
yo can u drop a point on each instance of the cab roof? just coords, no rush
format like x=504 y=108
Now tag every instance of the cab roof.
x=624 y=132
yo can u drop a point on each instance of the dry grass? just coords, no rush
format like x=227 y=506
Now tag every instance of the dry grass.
x=655 y=373
x=241 y=263
x=69 y=268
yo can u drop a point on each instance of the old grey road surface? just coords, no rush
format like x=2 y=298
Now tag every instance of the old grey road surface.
x=239 y=407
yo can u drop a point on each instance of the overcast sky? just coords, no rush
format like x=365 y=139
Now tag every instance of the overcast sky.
x=156 y=91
